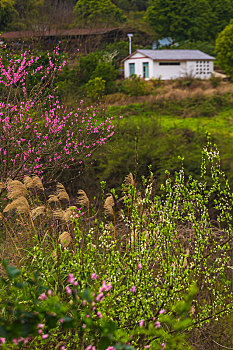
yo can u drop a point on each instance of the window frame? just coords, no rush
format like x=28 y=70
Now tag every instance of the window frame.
x=169 y=63
x=145 y=70
x=131 y=64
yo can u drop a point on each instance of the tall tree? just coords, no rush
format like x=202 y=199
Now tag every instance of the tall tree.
x=222 y=14
x=188 y=19
x=27 y=13
x=97 y=13
x=224 y=49
x=7 y=12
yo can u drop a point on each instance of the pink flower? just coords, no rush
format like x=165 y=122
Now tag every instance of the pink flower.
x=94 y=276
x=44 y=336
x=139 y=266
x=133 y=289
x=43 y=296
x=71 y=278
x=163 y=346
x=110 y=348
x=40 y=325
x=2 y=340
x=157 y=324
x=162 y=311
x=68 y=290
x=141 y=323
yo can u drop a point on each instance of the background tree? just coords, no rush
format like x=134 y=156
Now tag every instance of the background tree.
x=224 y=49
x=131 y=5
x=189 y=19
x=98 y=13
x=7 y=12
x=222 y=14
x=41 y=14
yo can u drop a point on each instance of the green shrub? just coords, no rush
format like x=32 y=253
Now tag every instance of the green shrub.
x=95 y=88
x=41 y=316
x=135 y=86
x=215 y=81
x=145 y=253
x=106 y=71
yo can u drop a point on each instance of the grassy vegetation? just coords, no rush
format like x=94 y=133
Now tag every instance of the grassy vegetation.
x=155 y=130
x=147 y=263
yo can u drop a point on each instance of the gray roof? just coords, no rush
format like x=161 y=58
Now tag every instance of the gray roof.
x=171 y=55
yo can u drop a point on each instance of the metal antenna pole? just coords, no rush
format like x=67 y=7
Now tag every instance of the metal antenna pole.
x=130 y=39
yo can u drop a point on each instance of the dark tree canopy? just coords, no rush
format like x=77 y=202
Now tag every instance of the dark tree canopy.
x=131 y=5
x=224 y=49
x=7 y=12
x=97 y=13
x=189 y=19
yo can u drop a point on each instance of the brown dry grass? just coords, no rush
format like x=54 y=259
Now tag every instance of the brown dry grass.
x=172 y=91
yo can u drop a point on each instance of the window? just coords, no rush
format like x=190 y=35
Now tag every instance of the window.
x=145 y=70
x=169 y=63
x=131 y=69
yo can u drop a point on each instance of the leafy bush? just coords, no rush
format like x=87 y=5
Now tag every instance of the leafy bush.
x=135 y=86
x=215 y=81
x=95 y=89
x=149 y=247
x=38 y=312
x=107 y=72
x=224 y=49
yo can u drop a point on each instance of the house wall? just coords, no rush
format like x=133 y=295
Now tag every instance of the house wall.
x=169 y=72
x=199 y=69
x=138 y=61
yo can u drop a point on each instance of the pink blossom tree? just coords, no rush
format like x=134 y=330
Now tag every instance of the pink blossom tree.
x=38 y=135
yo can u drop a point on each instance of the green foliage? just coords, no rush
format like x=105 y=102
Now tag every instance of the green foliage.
x=132 y=5
x=87 y=65
x=165 y=241
x=205 y=46
x=27 y=12
x=121 y=50
x=34 y=312
x=95 y=89
x=107 y=72
x=215 y=81
x=135 y=86
x=180 y=20
x=104 y=12
x=98 y=64
x=198 y=20
x=7 y=12
x=224 y=49
x=222 y=14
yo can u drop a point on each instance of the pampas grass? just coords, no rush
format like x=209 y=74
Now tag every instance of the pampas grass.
x=41 y=210
x=82 y=198
x=33 y=182
x=2 y=186
x=53 y=199
x=65 y=239
x=109 y=204
x=16 y=189
x=61 y=193
x=20 y=204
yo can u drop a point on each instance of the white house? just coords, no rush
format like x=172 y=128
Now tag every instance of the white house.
x=168 y=64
